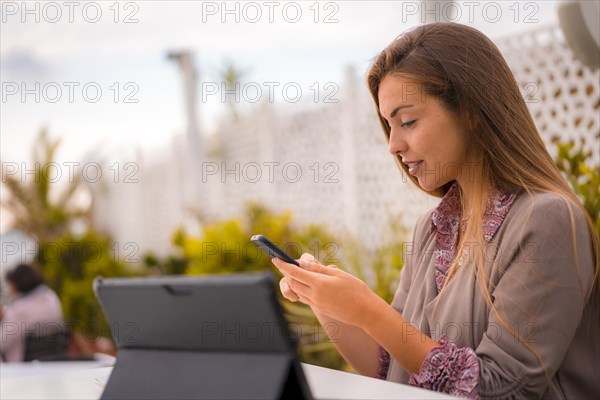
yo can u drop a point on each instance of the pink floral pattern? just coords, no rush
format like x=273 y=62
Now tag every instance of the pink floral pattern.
x=448 y=368
x=446 y=218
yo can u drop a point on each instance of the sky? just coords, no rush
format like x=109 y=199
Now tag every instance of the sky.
x=96 y=74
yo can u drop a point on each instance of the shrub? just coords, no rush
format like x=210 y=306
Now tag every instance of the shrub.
x=583 y=178
x=70 y=264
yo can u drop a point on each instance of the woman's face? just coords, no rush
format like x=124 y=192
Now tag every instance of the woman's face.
x=427 y=136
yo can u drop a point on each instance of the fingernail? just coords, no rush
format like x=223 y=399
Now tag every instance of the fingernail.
x=303 y=263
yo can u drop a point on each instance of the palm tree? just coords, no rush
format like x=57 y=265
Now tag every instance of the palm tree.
x=232 y=76
x=40 y=205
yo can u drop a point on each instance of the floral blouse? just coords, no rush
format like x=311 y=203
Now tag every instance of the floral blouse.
x=448 y=368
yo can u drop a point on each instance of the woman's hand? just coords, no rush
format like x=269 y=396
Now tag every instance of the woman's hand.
x=328 y=290
x=284 y=285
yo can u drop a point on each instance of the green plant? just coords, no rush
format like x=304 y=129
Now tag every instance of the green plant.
x=584 y=178
x=231 y=75
x=171 y=265
x=70 y=264
x=39 y=207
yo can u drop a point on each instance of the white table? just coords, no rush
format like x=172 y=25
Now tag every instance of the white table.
x=86 y=382
x=36 y=368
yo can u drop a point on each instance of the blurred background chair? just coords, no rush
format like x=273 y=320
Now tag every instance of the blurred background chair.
x=53 y=346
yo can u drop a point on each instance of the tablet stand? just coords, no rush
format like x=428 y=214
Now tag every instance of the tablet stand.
x=159 y=374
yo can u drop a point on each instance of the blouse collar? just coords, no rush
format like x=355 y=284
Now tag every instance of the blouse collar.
x=446 y=217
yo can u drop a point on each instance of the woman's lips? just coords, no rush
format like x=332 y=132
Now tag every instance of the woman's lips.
x=413 y=167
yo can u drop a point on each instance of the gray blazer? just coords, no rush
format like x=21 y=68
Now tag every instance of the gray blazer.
x=535 y=284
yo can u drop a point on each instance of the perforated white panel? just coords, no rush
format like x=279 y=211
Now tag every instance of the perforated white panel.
x=562 y=94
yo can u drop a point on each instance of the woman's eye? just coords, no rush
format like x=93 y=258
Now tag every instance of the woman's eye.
x=408 y=123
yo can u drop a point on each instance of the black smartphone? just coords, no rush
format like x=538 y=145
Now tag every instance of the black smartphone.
x=272 y=249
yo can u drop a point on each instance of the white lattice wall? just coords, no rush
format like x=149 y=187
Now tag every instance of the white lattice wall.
x=358 y=186
x=562 y=94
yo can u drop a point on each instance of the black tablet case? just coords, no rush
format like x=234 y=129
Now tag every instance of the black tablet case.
x=213 y=337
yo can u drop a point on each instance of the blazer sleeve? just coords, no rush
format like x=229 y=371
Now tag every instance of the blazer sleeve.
x=540 y=284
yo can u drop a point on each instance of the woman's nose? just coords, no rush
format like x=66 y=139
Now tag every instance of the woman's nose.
x=397 y=144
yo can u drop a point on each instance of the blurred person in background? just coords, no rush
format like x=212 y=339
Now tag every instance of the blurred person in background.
x=34 y=309
x=499 y=293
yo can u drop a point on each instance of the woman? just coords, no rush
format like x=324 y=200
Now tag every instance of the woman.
x=35 y=309
x=498 y=297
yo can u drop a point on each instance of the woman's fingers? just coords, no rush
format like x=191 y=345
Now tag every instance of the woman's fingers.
x=307 y=257
x=290 y=293
x=315 y=266
x=292 y=271
x=287 y=292
x=310 y=263
x=306 y=273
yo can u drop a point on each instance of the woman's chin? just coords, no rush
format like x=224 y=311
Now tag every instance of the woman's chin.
x=427 y=186
x=430 y=186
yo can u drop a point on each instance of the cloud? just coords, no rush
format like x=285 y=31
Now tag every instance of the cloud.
x=23 y=64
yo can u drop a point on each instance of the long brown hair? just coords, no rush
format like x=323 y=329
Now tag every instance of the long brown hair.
x=466 y=72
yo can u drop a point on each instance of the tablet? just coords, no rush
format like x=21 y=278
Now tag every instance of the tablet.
x=218 y=336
